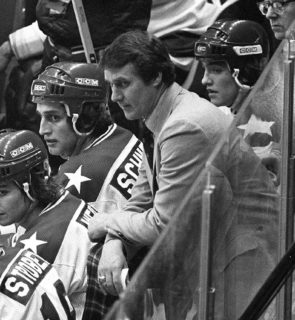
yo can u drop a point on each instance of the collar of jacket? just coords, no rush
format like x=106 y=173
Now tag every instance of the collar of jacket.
x=163 y=109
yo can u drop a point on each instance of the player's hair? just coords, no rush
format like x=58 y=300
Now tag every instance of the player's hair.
x=44 y=190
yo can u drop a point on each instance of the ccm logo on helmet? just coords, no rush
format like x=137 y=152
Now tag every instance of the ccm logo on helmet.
x=248 y=50
x=87 y=82
x=39 y=87
x=201 y=49
x=14 y=153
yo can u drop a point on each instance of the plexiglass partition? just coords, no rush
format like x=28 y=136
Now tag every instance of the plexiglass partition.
x=212 y=263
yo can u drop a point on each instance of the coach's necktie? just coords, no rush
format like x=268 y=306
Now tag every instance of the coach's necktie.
x=148 y=145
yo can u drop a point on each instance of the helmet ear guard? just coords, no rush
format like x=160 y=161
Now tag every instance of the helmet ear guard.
x=235 y=75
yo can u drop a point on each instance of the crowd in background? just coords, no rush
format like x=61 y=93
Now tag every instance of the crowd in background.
x=129 y=152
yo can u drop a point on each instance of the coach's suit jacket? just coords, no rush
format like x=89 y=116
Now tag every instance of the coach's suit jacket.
x=186 y=131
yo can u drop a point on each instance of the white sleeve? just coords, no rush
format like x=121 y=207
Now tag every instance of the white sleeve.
x=27 y=41
x=194 y=16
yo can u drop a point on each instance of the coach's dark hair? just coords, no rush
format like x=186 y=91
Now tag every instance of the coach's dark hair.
x=147 y=53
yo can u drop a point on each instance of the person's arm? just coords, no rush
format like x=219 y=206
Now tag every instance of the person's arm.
x=117 y=249
x=271 y=160
x=24 y=43
x=27 y=41
x=184 y=151
x=6 y=54
x=140 y=201
x=111 y=263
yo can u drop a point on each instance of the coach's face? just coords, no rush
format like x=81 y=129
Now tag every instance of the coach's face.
x=135 y=97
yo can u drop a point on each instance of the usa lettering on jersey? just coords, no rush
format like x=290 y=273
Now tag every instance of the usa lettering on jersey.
x=127 y=173
x=86 y=215
x=23 y=275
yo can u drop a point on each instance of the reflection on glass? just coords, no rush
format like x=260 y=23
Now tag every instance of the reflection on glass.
x=245 y=228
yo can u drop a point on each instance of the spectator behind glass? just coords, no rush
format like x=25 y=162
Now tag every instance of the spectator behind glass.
x=186 y=129
x=268 y=101
x=56 y=23
x=176 y=23
x=280 y=14
x=55 y=37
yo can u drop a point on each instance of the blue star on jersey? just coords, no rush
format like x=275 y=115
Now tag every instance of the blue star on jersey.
x=32 y=242
x=256 y=125
x=59 y=237
x=75 y=179
x=103 y=172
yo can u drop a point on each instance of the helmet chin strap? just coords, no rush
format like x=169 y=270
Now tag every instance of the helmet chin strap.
x=75 y=118
x=235 y=75
x=243 y=91
x=26 y=189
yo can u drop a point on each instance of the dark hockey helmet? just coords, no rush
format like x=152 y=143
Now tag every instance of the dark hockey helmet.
x=243 y=44
x=71 y=84
x=22 y=152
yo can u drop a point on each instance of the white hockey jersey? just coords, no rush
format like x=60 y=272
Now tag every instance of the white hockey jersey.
x=104 y=172
x=30 y=289
x=59 y=235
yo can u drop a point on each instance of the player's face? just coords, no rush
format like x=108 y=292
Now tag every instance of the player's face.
x=135 y=97
x=56 y=129
x=14 y=205
x=220 y=85
x=280 y=22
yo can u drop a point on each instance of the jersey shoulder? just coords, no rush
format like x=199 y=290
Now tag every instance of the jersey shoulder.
x=30 y=286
